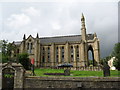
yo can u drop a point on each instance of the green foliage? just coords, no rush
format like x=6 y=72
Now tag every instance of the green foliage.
x=10 y=47
x=91 y=62
x=105 y=59
x=4 y=58
x=116 y=54
x=6 y=49
x=24 y=60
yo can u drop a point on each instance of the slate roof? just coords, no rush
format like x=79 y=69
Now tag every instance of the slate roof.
x=72 y=38
x=17 y=42
x=59 y=39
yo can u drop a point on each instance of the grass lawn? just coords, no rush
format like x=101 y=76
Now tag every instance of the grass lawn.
x=40 y=72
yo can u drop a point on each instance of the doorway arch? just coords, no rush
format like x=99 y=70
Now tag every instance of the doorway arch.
x=90 y=52
x=8 y=78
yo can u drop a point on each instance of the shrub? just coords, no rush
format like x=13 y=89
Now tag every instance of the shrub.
x=24 y=60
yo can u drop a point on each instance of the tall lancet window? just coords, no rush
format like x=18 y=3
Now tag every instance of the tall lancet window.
x=43 y=54
x=29 y=47
x=56 y=54
x=77 y=51
x=72 y=55
x=48 y=54
x=62 y=53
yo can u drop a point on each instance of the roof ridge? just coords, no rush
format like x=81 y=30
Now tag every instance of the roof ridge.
x=17 y=41
x=59 y=36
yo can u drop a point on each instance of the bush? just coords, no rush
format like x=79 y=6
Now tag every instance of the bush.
x=116 y=54
x=24 y=60
x=4 y=58
x=116 y=63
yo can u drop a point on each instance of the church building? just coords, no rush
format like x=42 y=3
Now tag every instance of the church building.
x=52 y=51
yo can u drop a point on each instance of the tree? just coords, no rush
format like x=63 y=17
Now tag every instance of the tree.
x=24 y=60
x=6 y=49
x=116 y=54
x=105 y=59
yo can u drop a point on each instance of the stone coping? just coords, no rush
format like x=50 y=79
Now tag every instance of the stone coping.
x=13 y=64
x=75 y=78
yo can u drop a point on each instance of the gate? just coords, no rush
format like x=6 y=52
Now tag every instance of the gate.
x=8 y=78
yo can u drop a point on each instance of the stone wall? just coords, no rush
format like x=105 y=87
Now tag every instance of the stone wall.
x=72 y=82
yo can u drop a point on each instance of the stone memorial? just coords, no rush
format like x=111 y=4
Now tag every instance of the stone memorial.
x=106 y=70
x=66 y=67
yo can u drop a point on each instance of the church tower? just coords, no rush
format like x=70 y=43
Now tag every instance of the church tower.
x=83 y=42
x=83 y=28
x=37 y=50
x=23 y=44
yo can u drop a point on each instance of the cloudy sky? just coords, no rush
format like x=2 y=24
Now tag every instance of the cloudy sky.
x=58 y=18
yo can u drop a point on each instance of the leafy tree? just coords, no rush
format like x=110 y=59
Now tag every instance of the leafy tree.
x=105 y=59
x=6 y=49
x=24 y=60
x=116 y=54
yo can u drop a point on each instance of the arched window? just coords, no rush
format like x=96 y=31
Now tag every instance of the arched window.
x=29 y=47
x=17 y=50
x=48 y=54
x=56 y=54
x=91 y=60
x=43 y=54
x=77 y=53
x=72 y=55
x=62 y=53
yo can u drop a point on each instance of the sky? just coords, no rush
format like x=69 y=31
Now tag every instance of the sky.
x=60 y=18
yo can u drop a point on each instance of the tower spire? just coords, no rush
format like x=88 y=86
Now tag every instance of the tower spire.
x=83 y=29
x=95 y=35
x=24 y=37
x=83 y=21
x=37 y=36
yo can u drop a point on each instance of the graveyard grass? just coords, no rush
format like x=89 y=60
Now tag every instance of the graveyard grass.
x=74 y=73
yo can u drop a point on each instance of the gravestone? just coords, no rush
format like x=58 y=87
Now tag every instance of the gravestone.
x=12 y=76
x=67 y=72
x=106 y=70
x=66 y=67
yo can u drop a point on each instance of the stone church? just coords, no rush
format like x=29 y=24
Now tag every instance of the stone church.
x=52 y=51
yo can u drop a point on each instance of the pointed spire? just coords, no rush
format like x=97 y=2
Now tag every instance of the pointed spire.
x=24 y=37
x=82 y=18
x=83 y=21
x=83 y=28
x=37 y=36
x=95 y=35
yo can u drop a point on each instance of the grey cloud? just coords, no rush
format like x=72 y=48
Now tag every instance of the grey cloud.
x=100 y=18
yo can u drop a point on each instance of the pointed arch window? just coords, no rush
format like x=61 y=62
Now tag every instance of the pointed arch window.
x=43 y=54
x=48 y=54
x=77 y=53
x=72 y=55
x=91 y=56
x=29 y=47
x=62 y=53
x=56 y=54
